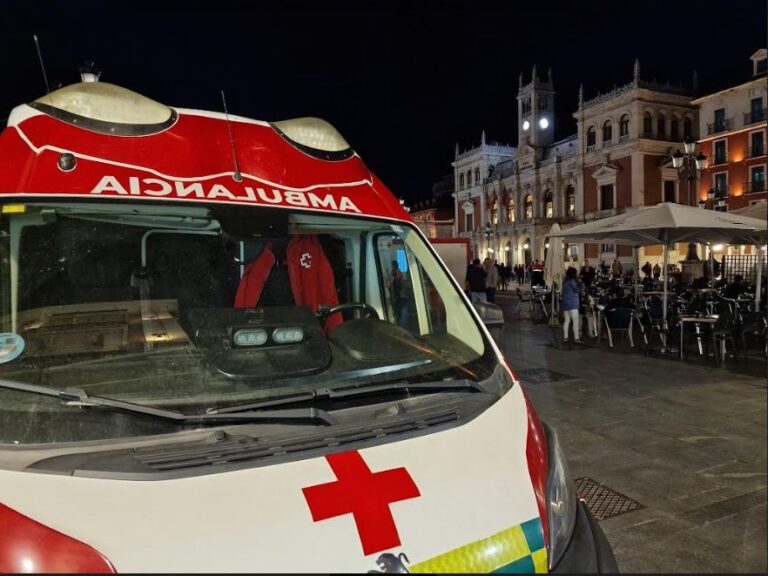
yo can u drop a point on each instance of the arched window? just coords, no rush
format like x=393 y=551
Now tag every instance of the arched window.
x=607 y=132
x=469 y=177
x=511 y=210
x=624 y=127
x=570 y=201
x=461 y=181
x=477 y=175
x=674 y=129
x=661 y=126
x=494 y=212
x=528 y=207
x=647 y=126
x=687 y=131
x=549 y=205
x=591 y=137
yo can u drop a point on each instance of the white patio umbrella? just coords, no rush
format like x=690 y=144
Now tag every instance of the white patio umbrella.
x=666 y=223
x=757 y=210
x=554 y=267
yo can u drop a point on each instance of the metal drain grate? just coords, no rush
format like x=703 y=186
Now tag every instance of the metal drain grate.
x=602 y=501
x=542 y=375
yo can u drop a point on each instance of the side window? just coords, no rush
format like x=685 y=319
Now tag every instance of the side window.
x=409 y=296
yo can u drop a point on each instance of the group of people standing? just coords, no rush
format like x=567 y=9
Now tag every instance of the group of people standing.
x=482 y=280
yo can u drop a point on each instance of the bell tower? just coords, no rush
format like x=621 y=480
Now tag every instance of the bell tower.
x=536 y=110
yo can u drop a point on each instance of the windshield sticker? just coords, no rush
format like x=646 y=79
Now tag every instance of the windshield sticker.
x=397 y=229
x=11 y=347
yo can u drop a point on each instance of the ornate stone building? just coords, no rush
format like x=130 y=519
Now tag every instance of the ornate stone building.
x=507 y=198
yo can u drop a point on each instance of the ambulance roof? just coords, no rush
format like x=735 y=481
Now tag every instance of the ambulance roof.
x=98 y=139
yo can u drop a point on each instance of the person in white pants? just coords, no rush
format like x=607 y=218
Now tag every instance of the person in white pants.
x=570 y=304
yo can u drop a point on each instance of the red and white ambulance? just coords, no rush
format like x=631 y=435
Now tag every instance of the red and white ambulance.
x=225 y=347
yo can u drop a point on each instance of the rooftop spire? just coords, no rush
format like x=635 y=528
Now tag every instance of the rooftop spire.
x=482 y=138
x=581 y=95
x=456 y=151
x=549 y=76
x=636 y=72
x=533 y=74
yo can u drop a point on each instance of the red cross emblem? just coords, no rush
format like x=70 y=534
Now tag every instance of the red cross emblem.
x=364 y=494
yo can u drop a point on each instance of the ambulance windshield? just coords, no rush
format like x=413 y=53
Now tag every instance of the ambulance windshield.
x=190 y=307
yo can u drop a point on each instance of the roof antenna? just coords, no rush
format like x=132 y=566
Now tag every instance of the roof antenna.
x=42 y=66
x=237 y=177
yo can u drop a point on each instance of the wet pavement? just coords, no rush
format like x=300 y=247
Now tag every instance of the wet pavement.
x=685 y=440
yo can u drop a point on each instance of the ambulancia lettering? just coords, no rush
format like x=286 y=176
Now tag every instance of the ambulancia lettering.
x=157 y=187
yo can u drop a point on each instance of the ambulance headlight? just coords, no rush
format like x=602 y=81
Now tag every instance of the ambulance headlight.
x=250 y=337
x=561 y=500
x=287 y=335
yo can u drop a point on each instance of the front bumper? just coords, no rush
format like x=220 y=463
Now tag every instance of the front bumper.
x=589 y=551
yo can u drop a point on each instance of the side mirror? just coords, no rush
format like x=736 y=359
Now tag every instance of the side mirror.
x=493 y=318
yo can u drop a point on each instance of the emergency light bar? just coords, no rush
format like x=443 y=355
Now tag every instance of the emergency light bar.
x=106 y=108
x=315 y=137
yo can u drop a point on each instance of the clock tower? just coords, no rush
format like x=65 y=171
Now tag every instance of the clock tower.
x=536 y=111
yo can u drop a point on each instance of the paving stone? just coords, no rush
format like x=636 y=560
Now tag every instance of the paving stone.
x=685 y=439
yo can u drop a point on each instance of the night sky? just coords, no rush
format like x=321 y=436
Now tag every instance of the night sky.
x=403 y=82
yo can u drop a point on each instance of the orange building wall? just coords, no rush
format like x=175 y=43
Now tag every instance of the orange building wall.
x=737 y=168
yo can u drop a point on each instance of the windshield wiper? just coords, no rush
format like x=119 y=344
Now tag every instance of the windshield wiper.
x=78 y=397
x=332 y=394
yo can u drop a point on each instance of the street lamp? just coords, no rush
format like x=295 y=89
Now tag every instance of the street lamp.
x=713 y=195
x=688 y=164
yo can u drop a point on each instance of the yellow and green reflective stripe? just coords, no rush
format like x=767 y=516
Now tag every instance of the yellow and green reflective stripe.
x=516 y=550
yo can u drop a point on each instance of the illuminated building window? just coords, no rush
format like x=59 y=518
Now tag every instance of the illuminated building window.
x=510 y=210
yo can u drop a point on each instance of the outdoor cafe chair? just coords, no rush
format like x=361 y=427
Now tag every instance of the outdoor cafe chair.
x=723 y=332
x=751 y=325
x=523 y=299
x=619 y=320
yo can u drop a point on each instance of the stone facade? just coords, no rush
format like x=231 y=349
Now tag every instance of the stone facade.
x=618 y=158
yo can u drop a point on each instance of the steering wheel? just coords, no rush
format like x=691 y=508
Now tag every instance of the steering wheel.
x=368 y=311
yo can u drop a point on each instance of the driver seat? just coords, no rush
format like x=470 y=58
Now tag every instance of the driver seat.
x=310 y=273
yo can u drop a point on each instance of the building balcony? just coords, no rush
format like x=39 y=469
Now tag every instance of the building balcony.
x=624 y=138
x=723 y=126
x=756 y=151
x=755 y=186
x=717 y=161
x=754 y=117
x=722 y=192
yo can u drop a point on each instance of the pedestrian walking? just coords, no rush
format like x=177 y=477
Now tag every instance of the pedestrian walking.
x=570 y=304
x=587 y=274
x=491 y=279
x=475 y=281
x=616 y=268
x=647 y=268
